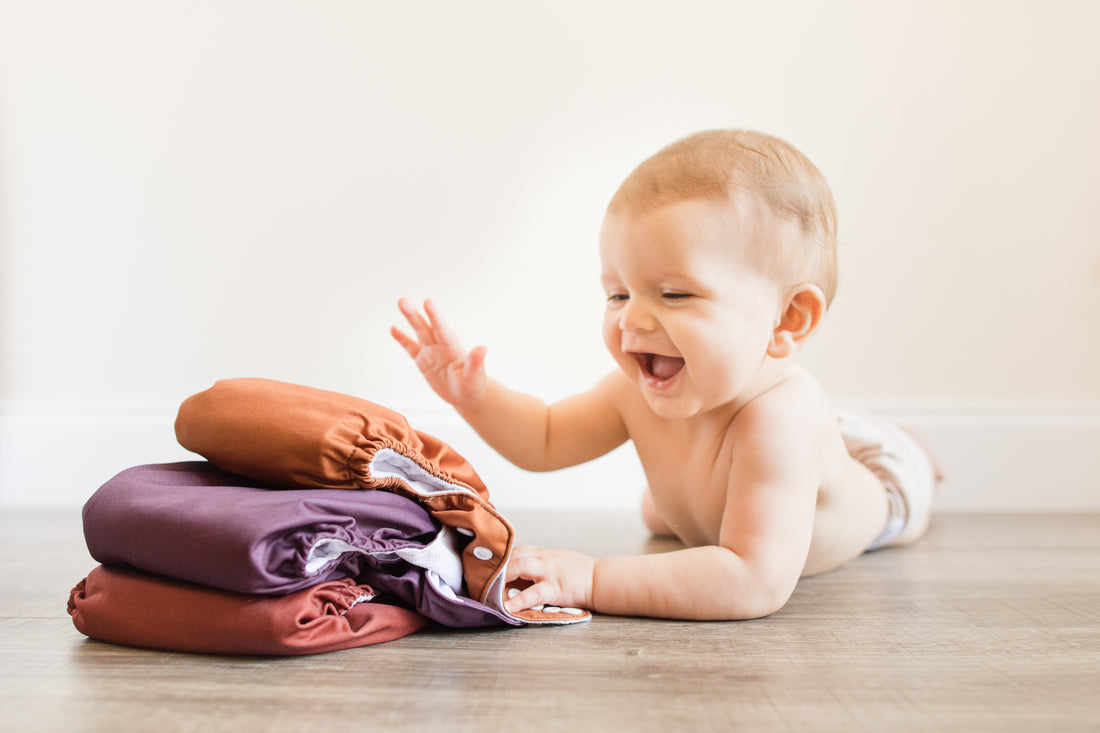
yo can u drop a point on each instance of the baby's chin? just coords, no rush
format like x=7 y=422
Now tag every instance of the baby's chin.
x=668 y=407
x=680 y=403
x=668 y=403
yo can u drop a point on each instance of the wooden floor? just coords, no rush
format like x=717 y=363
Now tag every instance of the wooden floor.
x=992 y=623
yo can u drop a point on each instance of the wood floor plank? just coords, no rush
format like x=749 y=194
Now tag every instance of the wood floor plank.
x=992 y=623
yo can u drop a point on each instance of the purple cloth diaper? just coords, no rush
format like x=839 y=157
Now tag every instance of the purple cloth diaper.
x=191 y=521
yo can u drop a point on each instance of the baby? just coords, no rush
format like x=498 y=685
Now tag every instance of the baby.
x=719 y=262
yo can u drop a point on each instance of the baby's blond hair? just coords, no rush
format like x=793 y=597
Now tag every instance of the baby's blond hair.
x=721 y=165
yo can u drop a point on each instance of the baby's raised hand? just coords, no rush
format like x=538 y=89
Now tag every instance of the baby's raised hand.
x=456 y=375
x=558 y=577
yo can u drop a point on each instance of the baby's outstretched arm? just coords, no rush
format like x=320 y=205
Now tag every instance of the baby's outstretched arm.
x=701 y=583
x=752 y=569
x=523 y=429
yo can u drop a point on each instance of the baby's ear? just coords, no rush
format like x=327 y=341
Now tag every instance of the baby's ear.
x=800 y=318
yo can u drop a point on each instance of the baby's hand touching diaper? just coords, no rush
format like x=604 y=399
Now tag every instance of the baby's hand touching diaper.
x=456 y=375
x=558 y=577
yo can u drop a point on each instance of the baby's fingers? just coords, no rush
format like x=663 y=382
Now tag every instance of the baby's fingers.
x=411 y=345
x=538 y=594
x=526 y=565
x=475 y=362
x=442 y=331
x=422 y=328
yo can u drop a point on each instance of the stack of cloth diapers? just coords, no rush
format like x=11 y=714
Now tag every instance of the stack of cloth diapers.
x=318 y=522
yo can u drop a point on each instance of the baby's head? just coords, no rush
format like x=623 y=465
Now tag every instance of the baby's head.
x=758 y=173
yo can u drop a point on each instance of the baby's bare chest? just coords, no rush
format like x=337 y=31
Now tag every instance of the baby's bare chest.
x=689 y=483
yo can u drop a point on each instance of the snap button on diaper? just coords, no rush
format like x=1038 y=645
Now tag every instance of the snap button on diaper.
x=483 y=553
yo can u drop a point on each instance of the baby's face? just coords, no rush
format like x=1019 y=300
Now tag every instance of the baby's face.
x=688 y=319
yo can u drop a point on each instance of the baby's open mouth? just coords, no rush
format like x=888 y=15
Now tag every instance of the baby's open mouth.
x=658 y=366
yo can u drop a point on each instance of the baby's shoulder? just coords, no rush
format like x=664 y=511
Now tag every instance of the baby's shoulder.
x=795 y=401
x=801 y=386
x=616 y=388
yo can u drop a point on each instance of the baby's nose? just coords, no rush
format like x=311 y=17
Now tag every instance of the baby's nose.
x=636 y=317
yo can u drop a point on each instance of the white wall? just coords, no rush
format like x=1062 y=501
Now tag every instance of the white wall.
x=197 y=190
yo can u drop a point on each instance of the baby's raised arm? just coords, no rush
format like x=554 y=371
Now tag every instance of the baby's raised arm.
x=525 y=430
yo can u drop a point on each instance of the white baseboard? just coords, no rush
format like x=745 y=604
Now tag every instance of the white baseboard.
x=1032 y=459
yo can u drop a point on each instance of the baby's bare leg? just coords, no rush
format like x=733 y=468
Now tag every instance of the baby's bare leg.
x=651 y=518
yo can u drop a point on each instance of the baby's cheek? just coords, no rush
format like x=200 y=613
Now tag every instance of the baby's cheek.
x=612 y=338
